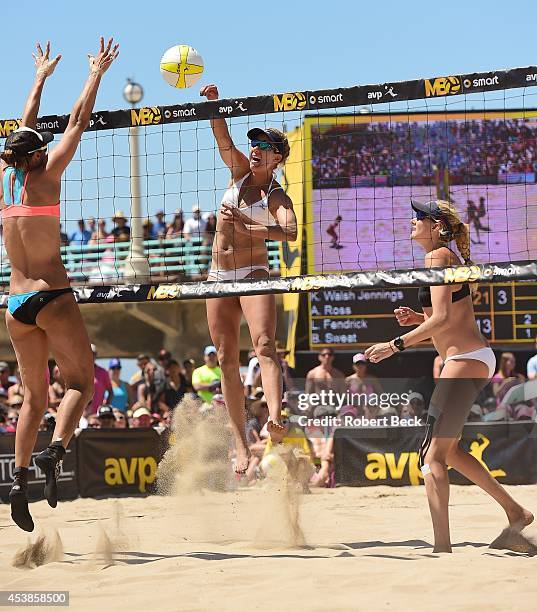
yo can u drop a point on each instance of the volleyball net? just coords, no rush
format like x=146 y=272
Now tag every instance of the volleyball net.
x=131 y=195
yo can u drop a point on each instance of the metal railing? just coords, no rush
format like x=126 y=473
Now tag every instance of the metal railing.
x=169 y=260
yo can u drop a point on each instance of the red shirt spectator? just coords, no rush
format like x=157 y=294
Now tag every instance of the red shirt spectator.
x=102 y=384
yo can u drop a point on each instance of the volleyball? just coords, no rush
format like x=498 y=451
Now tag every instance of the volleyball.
x=181 y=66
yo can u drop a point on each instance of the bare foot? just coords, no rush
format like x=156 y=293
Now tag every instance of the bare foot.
x=242 y=459
x=276 y=430
x=520 y=518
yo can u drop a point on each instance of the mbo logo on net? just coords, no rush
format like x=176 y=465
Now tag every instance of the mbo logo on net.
x=149 y=115
x=289 y=101
x=8 y=126
x=442 y=86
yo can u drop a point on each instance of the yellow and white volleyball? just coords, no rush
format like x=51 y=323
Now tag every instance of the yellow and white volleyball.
x=273 y=466
x=181 y=66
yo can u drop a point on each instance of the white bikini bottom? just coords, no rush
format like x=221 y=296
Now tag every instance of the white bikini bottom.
x=233 y=275
x=485 y=355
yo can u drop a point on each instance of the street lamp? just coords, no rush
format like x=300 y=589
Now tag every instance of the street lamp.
x=136 y=265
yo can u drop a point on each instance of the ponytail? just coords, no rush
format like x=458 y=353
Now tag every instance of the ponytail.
x=462 y=240
x=10 y=157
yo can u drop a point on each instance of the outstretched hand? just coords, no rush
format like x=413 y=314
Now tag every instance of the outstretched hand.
x=100 y=63
x=210 y=92
x=44 y=65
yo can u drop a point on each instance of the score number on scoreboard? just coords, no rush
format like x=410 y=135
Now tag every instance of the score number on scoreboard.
x=506 y=313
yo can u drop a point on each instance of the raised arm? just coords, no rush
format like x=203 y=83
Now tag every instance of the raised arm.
x=234 y=159
x=64 y=151
x=44 y=68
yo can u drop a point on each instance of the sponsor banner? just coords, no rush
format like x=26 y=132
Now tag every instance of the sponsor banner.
x=117 y=462
x=490 y=273
x=435 y=87
x=68 y=487
x=389 y=456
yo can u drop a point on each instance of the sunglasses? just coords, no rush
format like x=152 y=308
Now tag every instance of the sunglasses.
x=262 y=144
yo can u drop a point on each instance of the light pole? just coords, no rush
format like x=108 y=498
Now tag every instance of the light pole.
x=136 y=265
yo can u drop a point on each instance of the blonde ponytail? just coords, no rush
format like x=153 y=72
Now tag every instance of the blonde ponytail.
x=462 y=240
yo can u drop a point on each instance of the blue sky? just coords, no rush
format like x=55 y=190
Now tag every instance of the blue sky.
x=248 y=49
x=260 y=47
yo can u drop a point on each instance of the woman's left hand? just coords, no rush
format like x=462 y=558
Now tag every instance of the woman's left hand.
x=379 y=352
x=231 y=214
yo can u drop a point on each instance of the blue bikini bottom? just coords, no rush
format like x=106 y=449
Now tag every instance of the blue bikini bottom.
x=26 y=306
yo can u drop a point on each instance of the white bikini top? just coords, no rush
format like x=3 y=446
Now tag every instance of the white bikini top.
x=258 y=212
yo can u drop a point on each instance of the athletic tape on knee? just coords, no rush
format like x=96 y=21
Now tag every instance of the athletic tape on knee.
x=425 y=469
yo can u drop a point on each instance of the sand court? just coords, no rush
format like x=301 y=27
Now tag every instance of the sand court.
x=361 y=548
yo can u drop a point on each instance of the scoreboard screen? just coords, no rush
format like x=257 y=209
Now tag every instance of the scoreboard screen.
x=506 y=313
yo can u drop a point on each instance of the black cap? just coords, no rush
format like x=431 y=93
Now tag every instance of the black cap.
x=272 y=135
x=25 y=140
x=432 y=210
x=105 y=412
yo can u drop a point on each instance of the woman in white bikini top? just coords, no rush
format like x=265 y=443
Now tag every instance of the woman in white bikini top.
x=254 y=209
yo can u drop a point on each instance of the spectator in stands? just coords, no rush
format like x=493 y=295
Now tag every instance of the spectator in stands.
x=164 y=358
x=100 y=234
x=121 y=231
x=15 y=402
x=122 y=422
x=141 y=417
x=506 y=376
x=138 y=377
x=5 y=380
x=64 y=239
x=415 y=406
x=175 y=386
x=476 y=414
x=206 y=379
x=287 y=370
x=81 y=236
x=159 y=226
x=93 y=422
x=325 y=376
x=253 y=374
x=175 y=228
x=56 y=388
x=210 y=229
x=147 y=229
x=189 y=365
x=195 y=226
x=361 y=381
x=122 y=398
x=532 y=365
x=3 y=422
x=102 y=385
x=17 y=388
x=258 y=411
x=150 y=391
x=92 y=227
x=106 y=417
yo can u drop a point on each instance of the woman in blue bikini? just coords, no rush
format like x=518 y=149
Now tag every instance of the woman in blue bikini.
x=42 y=312
x=254 y=209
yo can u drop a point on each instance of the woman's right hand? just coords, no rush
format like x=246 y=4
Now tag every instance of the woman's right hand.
x=44 y=65
x=210 y=92
x=406 y=316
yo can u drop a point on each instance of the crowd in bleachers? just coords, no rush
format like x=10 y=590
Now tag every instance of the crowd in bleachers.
x=405 y=151
x=159 y=386
x=92 y=231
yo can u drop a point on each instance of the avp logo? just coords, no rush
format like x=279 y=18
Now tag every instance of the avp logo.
x=149 y=115
x=289 y=101
x=531 y=77
x=137 y=470
x=8 y=126
x=481 y=82
x=442 y=86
